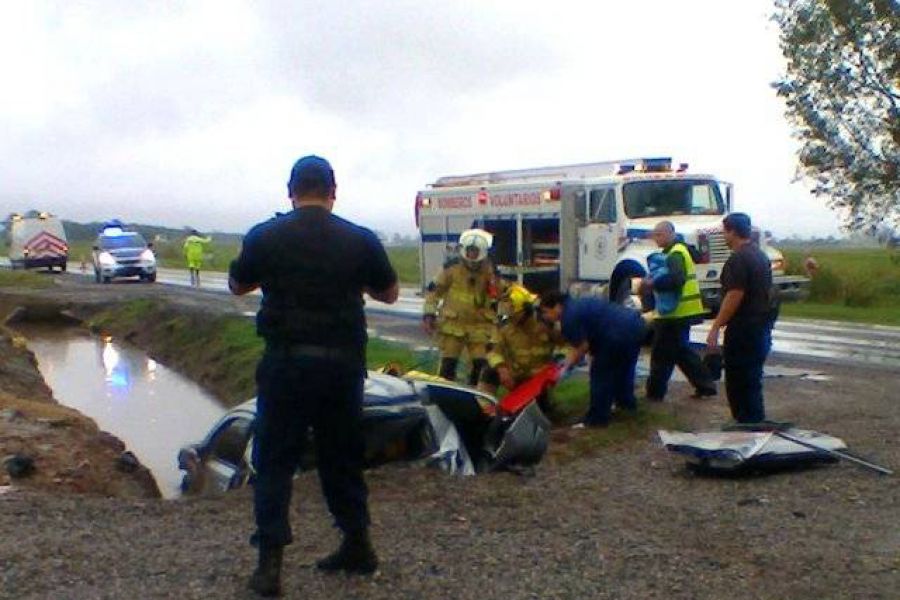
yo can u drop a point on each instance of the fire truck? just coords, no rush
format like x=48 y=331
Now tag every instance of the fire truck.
x=582 y=228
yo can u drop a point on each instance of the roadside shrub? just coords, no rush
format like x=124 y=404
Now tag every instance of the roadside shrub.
x=860 y=291
x=826 y=286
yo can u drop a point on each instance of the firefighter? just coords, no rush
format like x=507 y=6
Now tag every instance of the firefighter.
x=525 y=343
x=459 y=306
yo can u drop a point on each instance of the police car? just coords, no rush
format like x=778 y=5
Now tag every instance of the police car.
x=118 y=252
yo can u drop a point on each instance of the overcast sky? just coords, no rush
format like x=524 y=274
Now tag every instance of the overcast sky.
x=193 y=112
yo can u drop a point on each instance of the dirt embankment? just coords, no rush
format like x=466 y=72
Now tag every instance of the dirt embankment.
x=47 y=446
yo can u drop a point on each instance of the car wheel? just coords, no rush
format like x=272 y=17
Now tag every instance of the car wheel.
x=151 y=278
x=96 y=276
x=107 y=280
x=62 y=267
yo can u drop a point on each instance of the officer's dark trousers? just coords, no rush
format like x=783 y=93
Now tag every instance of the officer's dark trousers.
x=295 y=393
x=612 y=380
x=746 y=346
x=671 y=346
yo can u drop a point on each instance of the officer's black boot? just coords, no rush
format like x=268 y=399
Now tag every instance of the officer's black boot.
x=448 y=368
x=266 y=580
x=355 y=555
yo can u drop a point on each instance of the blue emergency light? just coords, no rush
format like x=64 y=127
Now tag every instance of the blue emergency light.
x=657 y=164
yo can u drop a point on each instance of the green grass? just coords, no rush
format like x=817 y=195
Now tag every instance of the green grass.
x=851 y=284
x=570 y=401
x=406 y=262
x=25 y=279
x=875 y=315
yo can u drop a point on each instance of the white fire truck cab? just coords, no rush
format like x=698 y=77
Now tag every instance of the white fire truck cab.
x=581 y=228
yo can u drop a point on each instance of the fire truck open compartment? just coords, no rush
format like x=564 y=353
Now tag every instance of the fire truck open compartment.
x=525 y=249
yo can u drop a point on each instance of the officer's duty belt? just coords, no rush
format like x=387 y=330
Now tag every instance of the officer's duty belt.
x=290 y=350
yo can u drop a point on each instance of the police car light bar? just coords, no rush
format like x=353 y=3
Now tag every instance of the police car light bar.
x=652 y=165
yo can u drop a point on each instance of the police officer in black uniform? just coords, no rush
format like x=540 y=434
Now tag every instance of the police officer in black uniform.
x=313 y=268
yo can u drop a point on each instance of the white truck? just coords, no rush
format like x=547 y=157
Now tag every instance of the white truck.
x=37 y=240
x=581 y=228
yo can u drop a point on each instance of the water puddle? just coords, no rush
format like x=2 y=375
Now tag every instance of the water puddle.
x=152 y=409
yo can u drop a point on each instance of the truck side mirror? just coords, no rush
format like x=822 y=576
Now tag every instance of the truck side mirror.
x=150 y=245
x=95 y=248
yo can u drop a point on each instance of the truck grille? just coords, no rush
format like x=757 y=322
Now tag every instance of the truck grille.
x=718 y=249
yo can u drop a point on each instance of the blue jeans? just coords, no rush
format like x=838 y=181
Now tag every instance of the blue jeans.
x=612 y=380
x=294 y=394
x=746 y=347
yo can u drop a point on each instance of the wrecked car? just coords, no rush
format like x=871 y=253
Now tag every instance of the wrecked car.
x=411 y=417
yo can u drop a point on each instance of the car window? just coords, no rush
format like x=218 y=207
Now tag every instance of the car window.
x=125 y=240
x=230 y=442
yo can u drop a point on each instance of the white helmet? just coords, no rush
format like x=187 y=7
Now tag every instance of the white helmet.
x=474 y=245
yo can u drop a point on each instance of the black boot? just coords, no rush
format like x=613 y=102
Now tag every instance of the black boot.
x=266 y=580
x=355 y=555
x=448 y=368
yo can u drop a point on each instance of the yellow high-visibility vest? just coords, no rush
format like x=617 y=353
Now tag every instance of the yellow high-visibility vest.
x=690 y=303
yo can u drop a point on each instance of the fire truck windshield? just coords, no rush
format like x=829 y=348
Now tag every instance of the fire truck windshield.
x=672 y=197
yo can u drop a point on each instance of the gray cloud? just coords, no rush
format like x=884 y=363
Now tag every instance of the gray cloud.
x=394 y=62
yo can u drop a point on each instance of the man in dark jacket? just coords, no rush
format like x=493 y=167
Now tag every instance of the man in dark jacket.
x=313 y=268
x=747 y=313
x=672 y=331
x=612 y=334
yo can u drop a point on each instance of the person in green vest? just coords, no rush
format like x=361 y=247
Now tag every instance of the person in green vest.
x=194 y=246
x=672 y=330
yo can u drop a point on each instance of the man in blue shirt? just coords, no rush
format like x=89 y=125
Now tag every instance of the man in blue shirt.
x=612 y=334
x=313 y=268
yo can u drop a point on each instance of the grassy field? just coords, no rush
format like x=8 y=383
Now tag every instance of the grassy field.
x=861 y=285
x=24 y=279
x=850 y=284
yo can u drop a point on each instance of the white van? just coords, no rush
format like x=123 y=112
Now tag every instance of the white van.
x=37 y=240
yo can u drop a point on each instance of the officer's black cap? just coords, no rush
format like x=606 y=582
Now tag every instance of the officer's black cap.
x=311 y=173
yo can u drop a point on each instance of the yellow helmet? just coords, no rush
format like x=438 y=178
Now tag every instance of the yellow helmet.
x=519 y=299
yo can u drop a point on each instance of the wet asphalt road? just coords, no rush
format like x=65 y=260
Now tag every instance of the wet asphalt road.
x=822 y=341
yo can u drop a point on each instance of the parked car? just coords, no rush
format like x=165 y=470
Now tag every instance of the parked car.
x=454 y=427
x=122 y=253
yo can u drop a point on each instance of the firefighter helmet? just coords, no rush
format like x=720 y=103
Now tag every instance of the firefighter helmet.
x=520 y=298
x=474 y=245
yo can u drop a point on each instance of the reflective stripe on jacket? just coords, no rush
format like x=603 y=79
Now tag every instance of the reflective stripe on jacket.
x=525 y=346
x=462 y=300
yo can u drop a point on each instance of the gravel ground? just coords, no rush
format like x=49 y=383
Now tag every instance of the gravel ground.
x=626 y=522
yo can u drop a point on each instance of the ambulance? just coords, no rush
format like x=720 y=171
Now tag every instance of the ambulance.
x=582 y=228
x=36 y=240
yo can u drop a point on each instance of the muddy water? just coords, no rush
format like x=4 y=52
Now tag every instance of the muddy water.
x=152 y=409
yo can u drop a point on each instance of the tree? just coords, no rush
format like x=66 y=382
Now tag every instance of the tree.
x=842 y=95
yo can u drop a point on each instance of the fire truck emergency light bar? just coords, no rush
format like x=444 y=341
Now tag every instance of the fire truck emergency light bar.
x=575 y=171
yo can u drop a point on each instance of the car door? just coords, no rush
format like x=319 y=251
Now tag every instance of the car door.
x=598 y=239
